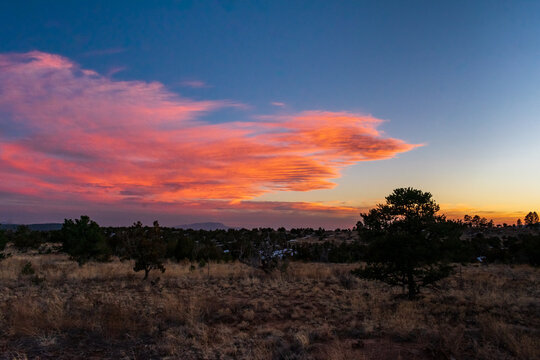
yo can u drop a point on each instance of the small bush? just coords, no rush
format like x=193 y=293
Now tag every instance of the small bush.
x=28 y=269
x=146 y=246
x=3 y=243
x=348 y=281
x=37 y=280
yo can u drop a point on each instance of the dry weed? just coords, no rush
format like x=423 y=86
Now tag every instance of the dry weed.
x=314 y=311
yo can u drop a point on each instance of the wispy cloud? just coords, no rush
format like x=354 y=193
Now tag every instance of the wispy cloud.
x=278 y=104
x=101 y=52
x=115 y=70
x=196 y=84
x=85 y=136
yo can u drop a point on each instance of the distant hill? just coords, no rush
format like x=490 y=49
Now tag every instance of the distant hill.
x=204 y=226
x=37 y=227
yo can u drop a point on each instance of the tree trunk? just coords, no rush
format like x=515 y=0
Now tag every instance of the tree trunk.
x=146 y=272
x=411 y=285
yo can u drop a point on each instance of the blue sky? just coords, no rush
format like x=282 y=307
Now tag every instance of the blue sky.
x=460 y=77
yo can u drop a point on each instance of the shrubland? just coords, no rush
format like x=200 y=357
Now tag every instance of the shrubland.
x=405 y=283
x=310 y=311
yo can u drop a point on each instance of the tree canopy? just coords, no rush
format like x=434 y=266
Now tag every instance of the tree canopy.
x=531 y=219
x=84 y=240
x=407 y=242
x=146 y=246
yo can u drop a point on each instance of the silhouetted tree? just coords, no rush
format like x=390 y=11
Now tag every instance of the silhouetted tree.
x=185 y=248
x=407 y=242
x=146 y=246
x=84 y=240
x=3 y=243
x=518 y=222
x=24 y=238
x=530 y=249
x=531 y=219
x=477 y=222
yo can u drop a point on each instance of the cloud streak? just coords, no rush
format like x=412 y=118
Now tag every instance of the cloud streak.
x=196 y=84
x=68 y=132
x=101 y=52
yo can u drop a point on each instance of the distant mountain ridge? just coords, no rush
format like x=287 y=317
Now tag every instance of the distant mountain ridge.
x=35 y=227
x=204 y=226
x=58 y=226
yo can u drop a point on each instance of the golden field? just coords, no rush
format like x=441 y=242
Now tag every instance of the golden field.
x=230 y=311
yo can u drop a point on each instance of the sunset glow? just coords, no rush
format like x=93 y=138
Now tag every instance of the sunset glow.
x=80 y=134
x=270 y=121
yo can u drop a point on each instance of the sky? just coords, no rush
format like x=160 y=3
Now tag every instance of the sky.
x=266 y=113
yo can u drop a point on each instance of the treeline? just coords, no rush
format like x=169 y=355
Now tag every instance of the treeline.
x=530 y=220
x=84 y=240
x=519 y=249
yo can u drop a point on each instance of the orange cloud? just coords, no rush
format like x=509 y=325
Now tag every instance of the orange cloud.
x=68 y=132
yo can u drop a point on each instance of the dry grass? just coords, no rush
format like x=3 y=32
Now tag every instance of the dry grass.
x=314 y=311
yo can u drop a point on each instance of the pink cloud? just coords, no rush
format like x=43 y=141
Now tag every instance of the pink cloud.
x=115 y=70
x=197 y=84
x=71 y=133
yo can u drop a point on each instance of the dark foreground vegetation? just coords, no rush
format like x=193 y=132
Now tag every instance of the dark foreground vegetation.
x=56 y=309
x=84 y=240
x=444 y=289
